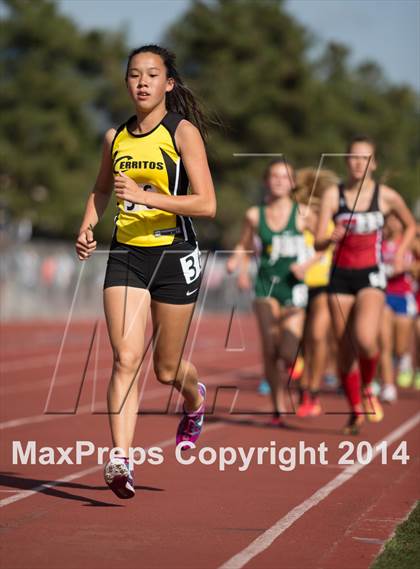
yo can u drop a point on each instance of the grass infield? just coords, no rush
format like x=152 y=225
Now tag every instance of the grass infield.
x=403 y=550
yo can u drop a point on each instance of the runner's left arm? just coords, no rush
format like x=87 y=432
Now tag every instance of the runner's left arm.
x=328 y=207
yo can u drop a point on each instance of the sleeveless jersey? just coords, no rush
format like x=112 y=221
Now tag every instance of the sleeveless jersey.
x=280 y=248
x=361 y=246
x=318 y=274
x=153 y=162
x=403 y=282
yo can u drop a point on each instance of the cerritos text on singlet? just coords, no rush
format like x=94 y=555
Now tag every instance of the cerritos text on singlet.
x=124 y=163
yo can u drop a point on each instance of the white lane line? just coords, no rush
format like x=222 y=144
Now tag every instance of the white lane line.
x=32 y=420
x=263 y=542
x=66 y=379
x=39 y=384
x=83 y=410
x=27 y=364
x=28 y=493
x=43 y=418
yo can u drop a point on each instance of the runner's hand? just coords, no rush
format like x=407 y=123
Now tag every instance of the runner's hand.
x=298 y=271
x=126 y=189
x=85 y=244
x=338 y=233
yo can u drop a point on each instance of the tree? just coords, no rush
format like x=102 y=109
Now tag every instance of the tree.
x=62 y=88
x=360 y=100
x=249 y=61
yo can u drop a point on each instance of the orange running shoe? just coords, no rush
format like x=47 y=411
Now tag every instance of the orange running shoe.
x=372 y=406
x=315 y=407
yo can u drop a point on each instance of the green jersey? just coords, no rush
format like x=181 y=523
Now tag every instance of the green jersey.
x=280 y=249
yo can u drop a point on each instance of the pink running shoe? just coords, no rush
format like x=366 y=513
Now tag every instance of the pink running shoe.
x=304 y=409
x=191 y=424
x=119 y=478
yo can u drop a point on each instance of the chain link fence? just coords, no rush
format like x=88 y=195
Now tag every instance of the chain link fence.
x=45 y=280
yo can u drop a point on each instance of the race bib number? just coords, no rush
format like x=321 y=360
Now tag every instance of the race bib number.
x=300 y=295
x=131 y=207
x=191 y=266
x=287 y=246
x=377 y=279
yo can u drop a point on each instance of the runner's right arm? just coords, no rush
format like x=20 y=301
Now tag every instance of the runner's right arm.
x=97 y=201
x=328 y=207
x=240 y=256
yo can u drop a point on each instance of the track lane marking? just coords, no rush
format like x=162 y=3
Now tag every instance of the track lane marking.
x=263 y=542
x=106 y=364
x=27 y=362
x=42 y=418
x=81 y=473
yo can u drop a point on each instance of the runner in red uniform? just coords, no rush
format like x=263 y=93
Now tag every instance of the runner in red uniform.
x=398 y=316
x=357 y=283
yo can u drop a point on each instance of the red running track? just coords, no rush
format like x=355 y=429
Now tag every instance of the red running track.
x=319 y=516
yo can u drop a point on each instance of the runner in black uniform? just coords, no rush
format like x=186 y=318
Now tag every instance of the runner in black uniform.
x=357 y=283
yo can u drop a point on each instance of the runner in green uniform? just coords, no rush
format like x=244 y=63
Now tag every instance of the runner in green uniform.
x=279 y=289
x=280 y=250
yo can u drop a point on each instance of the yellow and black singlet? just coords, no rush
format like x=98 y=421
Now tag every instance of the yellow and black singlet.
x=153 y=162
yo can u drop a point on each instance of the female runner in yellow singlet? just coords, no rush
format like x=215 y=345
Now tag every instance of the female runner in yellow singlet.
x=156 y=165
x=310 y=185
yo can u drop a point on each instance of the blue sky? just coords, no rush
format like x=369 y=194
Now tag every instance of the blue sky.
x=385 y=31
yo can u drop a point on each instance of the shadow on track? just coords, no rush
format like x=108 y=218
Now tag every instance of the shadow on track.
x=259 y=423
x=13 y=480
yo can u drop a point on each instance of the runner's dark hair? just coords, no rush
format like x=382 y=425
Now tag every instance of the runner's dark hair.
x=181 y=99
x=361 y=138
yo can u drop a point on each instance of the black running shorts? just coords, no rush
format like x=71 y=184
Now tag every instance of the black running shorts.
x=171 y=273
x=351 y=281
x=313 y=292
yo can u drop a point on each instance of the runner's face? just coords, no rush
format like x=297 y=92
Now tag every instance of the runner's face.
x=147 y=83
x=279 y=180
x=362 y=161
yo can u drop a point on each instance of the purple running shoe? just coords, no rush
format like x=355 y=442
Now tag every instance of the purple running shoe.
x=119 y=478
x=191 y=424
